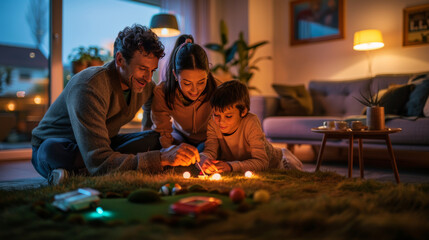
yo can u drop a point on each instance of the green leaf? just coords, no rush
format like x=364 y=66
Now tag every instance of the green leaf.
x=230 y=52
x=223 y=32
x=256 y=45
x=214 y=47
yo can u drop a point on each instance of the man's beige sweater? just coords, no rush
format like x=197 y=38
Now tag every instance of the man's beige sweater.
x=90 y=111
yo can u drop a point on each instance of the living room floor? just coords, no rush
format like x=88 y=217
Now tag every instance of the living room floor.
x=21 y=174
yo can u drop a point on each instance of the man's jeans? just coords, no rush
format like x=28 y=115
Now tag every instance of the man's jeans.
x=63 y=153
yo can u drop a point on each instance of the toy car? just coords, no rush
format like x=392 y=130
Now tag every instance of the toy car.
x=195 y=205
x=79 y=199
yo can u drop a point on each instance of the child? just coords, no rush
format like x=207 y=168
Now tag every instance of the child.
x=181 y=107
x=235 y=140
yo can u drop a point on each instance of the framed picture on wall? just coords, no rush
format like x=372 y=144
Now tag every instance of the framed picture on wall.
x=316 y=20
x=416 y=25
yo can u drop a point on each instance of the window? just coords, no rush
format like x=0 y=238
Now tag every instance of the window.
x=24 y=69
x=92 y=26
x=24 y=48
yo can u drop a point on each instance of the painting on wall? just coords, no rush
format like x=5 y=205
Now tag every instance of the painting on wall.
x=316 y=20
x=416 y=25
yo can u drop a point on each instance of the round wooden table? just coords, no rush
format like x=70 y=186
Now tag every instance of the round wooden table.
x=358 y=134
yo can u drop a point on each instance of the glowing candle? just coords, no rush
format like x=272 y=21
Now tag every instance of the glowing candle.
x=186 y=175
x=216 y=176
x=248 y=174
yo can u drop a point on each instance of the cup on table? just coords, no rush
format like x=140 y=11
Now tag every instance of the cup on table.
x=329 y=124
x=340 y=125
x=356 y=125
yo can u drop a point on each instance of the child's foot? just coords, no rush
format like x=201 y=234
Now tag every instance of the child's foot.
x=290 y=161
x=58 y=176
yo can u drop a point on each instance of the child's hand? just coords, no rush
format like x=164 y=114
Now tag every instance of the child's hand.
x=209 y=167
x=222 y=166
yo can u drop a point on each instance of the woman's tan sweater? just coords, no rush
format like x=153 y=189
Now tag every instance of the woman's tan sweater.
x=189 y=120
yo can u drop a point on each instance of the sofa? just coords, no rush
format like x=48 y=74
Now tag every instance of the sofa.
x=336 y=100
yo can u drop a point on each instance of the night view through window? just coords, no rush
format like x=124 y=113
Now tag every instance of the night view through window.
x=89 y=27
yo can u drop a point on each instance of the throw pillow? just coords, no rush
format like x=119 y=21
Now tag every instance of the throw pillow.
x=295 y=100
x=416 y=103
x=395 y=98
x=417 y=79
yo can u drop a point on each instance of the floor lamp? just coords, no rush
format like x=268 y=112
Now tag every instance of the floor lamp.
x=367 y=40
x=164 y=25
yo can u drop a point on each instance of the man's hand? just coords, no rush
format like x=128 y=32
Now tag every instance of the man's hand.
x=181 y=155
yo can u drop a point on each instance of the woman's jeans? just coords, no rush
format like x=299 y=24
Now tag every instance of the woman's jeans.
x=63 y=153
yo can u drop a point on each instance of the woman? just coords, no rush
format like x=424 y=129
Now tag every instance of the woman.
x=181 y=107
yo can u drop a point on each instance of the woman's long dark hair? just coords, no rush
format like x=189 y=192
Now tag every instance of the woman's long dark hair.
x=186 y=56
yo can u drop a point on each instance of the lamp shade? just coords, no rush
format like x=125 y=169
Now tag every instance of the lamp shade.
x=164 y=25
x=368 y=40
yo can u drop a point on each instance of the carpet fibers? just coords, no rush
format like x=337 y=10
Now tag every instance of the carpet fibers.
x=302 y=205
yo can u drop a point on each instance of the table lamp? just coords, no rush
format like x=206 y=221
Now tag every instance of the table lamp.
x=367 y=40
x=164 y=25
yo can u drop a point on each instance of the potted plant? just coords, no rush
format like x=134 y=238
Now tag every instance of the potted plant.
x=83 y=57
x=246 y=68
x=221 y=70
x=79 y=59
x=374 y=110
x=238 y=55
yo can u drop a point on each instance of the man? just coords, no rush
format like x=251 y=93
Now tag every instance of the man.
x=80 y=129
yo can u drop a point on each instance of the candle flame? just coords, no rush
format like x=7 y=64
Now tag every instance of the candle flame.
x=186 y=175
x=216 y=176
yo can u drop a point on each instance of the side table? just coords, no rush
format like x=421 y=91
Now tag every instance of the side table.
x=358 y=134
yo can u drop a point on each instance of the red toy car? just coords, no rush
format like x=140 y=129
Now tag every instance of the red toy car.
x=195 y=205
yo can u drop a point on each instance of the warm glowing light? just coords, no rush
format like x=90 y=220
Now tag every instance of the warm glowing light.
x=37 y=99
x=20 y=94
x=368 y=40
x=186 y=175
x=11 y=106
x=248 y=174
x=139 y=116
x=32 y=55
x=99 y=210
x=216 y=176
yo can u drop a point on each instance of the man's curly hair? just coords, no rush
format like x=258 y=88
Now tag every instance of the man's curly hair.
x=138 y=38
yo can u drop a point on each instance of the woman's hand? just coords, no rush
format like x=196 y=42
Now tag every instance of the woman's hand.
x=181 y=155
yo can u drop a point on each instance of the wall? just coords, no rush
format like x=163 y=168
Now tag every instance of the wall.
x=261 y=28
x=336 y=59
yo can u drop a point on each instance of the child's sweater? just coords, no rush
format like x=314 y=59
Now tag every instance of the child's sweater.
x=245 y=149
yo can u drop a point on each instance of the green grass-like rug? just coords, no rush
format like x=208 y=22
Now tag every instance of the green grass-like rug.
x=322 y=205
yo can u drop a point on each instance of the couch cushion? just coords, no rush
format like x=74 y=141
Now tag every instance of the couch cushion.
x=337 y=98
x=414 y=132
x=295 y=100
x=395 y=98
x=384 y=81
x=295 y=128
x=417 y=100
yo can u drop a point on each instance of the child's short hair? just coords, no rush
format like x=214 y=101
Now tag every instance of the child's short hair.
x=229 y=94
